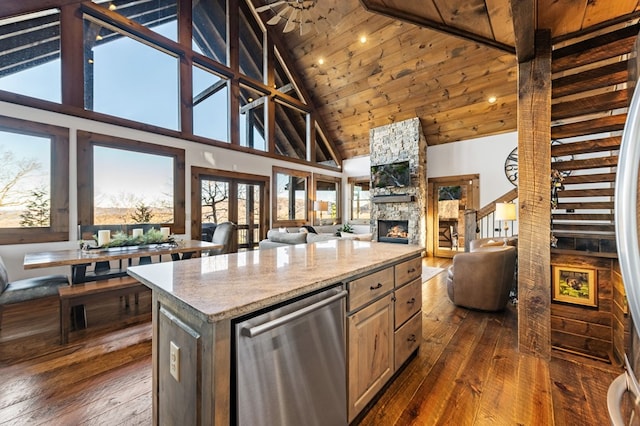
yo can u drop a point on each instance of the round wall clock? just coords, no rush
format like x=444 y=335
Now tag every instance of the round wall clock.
x=511 y=163
x=511 y=166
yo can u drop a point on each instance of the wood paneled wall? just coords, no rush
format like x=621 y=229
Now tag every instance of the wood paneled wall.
x=621 y=322
x=580 y=329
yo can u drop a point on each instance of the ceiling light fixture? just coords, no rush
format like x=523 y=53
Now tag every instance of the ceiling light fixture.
x=363 y=39
x=321 y=61
x=112 y=7
x=294 y=12
x=492 y=99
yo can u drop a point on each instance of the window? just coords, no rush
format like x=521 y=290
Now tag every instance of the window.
x=127 y=78
x=124 y=63
x=290 y=197
x=327 y=207
x=360 y=200
x=30 y=55
x=122 y=181
x=34 y=182
x=210 y=29
x=252 y=118
x=291 y=131
x=210 y=105
x=152 y=14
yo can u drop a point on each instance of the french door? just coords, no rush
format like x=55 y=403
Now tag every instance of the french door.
x=449 y=197
x=220 y=196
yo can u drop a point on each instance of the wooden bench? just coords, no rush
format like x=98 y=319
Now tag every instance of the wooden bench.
x=79 y=294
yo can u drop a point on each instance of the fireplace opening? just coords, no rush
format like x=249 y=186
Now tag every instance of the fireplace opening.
x=393 y=231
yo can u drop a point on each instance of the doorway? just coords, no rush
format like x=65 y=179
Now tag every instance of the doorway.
x=219 y=196
x=449 y=197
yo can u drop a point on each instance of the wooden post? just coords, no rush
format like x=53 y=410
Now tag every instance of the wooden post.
x=534 y=170
x=470 y=217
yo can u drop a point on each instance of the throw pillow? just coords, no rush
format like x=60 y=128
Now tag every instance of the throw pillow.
x=286 y=237
x=309 y=229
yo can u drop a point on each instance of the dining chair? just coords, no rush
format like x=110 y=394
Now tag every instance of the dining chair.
x=225 y=234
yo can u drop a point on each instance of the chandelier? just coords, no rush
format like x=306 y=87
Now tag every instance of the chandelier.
x=294 y=12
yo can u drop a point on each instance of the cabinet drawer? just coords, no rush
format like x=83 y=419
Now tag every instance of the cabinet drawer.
x=408 y=301
x=407 y=339
x=408 y=270
x=369 y=287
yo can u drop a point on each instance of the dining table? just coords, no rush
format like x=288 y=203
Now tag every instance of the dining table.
x=82 y=259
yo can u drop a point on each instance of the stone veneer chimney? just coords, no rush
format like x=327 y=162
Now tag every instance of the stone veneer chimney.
x=390 y=144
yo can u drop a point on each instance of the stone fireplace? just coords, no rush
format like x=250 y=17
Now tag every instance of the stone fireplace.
x=407 y=204
x=393 y=231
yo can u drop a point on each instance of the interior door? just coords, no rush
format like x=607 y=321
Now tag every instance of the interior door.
x=449 y=198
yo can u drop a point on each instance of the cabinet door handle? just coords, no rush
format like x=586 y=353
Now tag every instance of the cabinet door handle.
x=411 y=338
x=411 y=301
x=412 y=270
x=376 y=287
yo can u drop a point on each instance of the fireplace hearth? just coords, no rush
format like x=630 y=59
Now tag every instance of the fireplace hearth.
x=393 y=231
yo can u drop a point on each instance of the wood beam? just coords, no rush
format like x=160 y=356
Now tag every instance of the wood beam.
x=534 y=164
x=524 y=27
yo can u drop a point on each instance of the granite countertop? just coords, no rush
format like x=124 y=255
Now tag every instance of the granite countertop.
x=226 y=286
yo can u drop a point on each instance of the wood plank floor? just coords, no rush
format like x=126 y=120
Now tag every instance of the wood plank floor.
x=467 y=371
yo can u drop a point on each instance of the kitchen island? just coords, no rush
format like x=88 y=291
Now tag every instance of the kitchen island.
x=195 y=304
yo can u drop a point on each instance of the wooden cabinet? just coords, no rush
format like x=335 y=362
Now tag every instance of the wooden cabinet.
x=370 y=346
x=408 y=301
x=384 y=323
x=370 y=287
x=407 y=339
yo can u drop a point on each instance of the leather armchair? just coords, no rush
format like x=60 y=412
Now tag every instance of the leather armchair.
x=483 y=278
x=492 y=242
x=225 y=234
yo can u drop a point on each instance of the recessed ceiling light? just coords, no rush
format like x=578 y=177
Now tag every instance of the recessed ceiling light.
x=98 y=37
x=112 y=7
x=492 y=99
x=363 y=39
x=321 y=61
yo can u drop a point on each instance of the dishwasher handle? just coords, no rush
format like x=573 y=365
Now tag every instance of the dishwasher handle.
x=270 y=325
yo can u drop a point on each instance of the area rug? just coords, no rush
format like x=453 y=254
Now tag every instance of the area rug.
x=429 y=272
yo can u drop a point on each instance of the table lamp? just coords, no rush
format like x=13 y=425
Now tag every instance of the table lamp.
x=505 y=212
x=320 y=206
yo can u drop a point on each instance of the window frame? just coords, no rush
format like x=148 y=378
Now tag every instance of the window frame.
x=337 y=181
x=274 y=197
x=58 y=229
x=88 y=140
x=352 y=181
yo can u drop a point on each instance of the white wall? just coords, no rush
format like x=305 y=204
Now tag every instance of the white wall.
x=484 y=156
x=195 y=155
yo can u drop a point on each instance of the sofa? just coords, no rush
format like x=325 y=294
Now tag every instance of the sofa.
x=280 y=237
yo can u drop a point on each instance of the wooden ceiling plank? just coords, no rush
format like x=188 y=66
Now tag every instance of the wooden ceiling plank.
x=458 y=30
x=468 y=15
x=583 y=106
x=598 y=11
x=501 y=21
x=435 y=78
x=608 y=75
x=561 y=16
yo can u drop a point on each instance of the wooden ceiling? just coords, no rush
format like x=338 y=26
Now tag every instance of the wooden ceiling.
x=439 y=60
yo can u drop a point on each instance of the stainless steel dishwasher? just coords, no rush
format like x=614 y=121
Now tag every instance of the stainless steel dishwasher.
x=290 y=364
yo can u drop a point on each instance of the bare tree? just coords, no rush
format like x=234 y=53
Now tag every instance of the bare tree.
x=12 y=171
x=214 y=193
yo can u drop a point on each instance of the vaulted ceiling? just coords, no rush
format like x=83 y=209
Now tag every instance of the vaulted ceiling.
x=439 y=60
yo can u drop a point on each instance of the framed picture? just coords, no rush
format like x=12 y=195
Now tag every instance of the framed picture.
x=574 y=285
